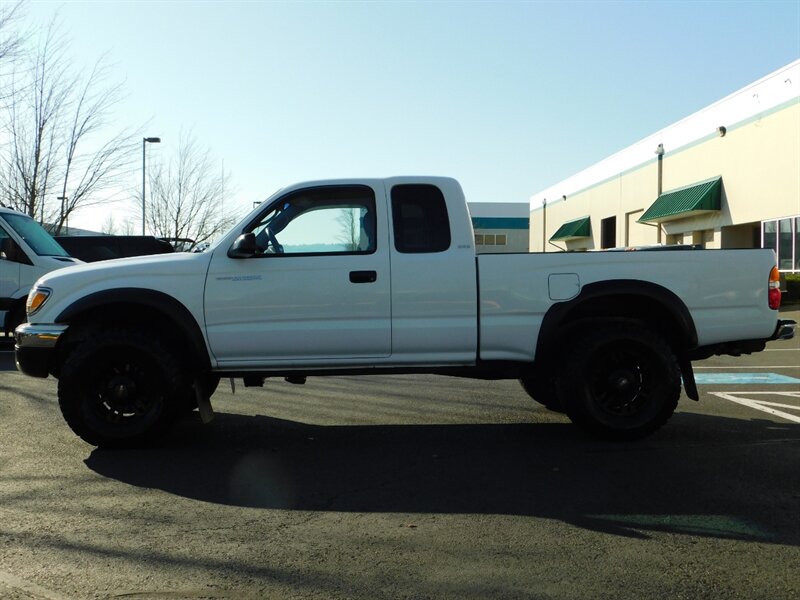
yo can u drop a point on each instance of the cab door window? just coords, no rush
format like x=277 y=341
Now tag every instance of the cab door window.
x=327 y=220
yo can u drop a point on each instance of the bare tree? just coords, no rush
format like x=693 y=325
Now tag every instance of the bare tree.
x=91 y=176
x=185 y=199
x=111 y=226
x=57 y=152
x=349 y=228
x=10 y=39
x=33 y=109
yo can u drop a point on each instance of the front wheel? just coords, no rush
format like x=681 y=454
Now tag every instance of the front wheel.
x=118 y=387
x=620 y=382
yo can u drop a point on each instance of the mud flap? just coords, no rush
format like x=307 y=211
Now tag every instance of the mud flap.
x=687 y=373
x=203 y=402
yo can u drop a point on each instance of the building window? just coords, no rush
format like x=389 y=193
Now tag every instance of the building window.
x=783 y=236
x=785 y=249
x=479 y=239
x=608 y=232
x=797 y=243
x=500 y=239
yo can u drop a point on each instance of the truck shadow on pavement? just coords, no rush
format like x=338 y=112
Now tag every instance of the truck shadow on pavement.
x=704 y=476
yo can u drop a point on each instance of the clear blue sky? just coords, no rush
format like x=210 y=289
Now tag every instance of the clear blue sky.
x=508 y=97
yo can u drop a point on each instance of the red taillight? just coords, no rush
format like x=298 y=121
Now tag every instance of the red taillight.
x=774 y=296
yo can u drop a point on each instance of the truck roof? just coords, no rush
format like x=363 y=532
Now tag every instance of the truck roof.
x=6 y=210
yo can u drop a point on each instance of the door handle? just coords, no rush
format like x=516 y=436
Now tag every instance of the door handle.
x=363 y=276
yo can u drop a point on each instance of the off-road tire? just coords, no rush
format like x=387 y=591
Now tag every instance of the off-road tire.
x=117 y=388
x=620 y=382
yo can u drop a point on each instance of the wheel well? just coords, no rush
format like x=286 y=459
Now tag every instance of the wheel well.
x=649 y=305
x=171 y=322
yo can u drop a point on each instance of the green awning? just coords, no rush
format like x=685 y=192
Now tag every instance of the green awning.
x=573 y=230
x=696 y=199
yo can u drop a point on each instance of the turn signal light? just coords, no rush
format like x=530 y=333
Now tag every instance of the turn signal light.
x=36 y=299
x=774 y=295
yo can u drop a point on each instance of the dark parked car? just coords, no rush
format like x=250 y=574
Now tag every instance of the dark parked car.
x=92 y=248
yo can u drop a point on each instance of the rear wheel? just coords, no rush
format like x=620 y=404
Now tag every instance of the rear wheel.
x=620 y=382
x=118 y=388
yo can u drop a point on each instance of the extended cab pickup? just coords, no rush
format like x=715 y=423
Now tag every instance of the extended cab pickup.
x=380 y=276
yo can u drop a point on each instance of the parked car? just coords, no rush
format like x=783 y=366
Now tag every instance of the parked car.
x=93 y=248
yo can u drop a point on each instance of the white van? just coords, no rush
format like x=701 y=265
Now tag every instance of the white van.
x=27 y=252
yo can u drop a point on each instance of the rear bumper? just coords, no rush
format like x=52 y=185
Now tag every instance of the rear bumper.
x=784 y=330
x=35 y=347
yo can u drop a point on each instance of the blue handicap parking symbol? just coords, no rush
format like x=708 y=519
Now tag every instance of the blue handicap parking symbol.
x=743 y=378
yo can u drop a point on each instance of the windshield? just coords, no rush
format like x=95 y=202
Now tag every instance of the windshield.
x=34 y=235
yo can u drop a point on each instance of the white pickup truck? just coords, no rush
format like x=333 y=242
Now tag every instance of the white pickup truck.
x=380 y=276
x=27 y=252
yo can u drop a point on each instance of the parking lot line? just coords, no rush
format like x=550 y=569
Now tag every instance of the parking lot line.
x=764 y=406
x=15 y=584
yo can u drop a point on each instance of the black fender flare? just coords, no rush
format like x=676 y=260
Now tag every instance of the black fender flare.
x=158 y=302
x=682 y=325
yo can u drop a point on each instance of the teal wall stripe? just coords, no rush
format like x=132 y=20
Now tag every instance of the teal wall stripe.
x=501 y=223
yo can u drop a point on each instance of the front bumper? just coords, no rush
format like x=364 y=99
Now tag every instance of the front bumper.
x=35 y=346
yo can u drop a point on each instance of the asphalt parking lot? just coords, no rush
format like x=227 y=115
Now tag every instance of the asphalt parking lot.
x=410 y=487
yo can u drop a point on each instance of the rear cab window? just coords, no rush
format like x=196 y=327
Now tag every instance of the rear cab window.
x=419 y=219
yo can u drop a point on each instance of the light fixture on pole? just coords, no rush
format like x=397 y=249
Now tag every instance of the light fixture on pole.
x=145 y=141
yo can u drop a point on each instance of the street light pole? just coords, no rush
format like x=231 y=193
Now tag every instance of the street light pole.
x=152 y=140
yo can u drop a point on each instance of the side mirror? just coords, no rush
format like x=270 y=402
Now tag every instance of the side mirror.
x=244 y=247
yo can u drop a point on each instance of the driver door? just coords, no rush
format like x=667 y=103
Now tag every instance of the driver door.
x=315 y=292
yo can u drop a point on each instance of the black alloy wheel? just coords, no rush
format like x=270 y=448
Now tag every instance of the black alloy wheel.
x=118 y=388
x=620 y=382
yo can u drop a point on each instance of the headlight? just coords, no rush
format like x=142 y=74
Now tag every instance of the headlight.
x=36 y=300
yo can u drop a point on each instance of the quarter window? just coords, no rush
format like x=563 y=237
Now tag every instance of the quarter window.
x=419 y=219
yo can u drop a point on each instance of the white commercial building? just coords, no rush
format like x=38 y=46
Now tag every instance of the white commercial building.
x=500 y=226
x=727 y=176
